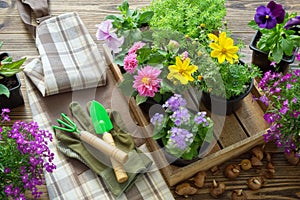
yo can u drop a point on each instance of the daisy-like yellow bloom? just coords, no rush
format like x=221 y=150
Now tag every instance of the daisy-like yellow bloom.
x=223 y=48
x=182 y=71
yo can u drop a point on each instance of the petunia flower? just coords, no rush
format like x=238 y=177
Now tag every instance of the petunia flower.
x=292 y=22
x=182 y=71
x=106 y=33
x=224 y=49
x=147 y=82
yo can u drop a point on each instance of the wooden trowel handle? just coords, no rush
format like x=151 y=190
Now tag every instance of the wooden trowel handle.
x=104 y=147
x=119 y=170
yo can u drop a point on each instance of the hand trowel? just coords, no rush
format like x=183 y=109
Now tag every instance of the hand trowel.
x=103 y=125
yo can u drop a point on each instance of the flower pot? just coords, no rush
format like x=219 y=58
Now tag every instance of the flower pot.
x=13 y=83
x=180 y=162
x=260 y=58
x=220 y=105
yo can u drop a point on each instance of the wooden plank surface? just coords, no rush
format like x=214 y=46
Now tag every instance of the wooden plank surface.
x=285 y=185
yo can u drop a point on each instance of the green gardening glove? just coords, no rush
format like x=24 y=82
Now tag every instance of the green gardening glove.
x=72 y=146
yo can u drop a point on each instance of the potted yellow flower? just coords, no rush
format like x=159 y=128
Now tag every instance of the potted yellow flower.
x=226 y=80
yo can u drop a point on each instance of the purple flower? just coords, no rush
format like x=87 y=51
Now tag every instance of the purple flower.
x=157 y=119
x=180 y=138
x=130 y=63
x=180 y=116
x=292 y=22
x=174 y=102
x=106 y=33
x=200 y=118
x=298 y=58
x=268 y=17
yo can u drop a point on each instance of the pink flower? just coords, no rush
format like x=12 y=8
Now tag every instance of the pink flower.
x=298 y=56
x=130 y=63
x=106 y=33
x=147 y=81
x=136 y=46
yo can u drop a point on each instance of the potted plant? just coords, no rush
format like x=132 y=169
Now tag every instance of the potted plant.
x=282 y=96
x=124 y=28
x=158 y=67
x=193 y=18
x=184 y=135
x=24 y=156
x=277 y=37
x=225 y=80
x=10 y=94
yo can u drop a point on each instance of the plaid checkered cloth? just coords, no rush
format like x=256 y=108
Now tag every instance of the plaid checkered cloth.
x=69 y=58
x=69 y=180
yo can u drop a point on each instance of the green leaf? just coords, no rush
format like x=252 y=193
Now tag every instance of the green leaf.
x=140 y=99
x=126 y=85
x=124 y=7
x=145 y=17
x=114 y=17
x=156 y=58
x=277 y=54
x=287 y=47
x=9 y=69
x=4 y=90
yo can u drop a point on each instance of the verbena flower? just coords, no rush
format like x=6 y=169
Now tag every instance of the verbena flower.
x=223 y=48
x=181 y=131
x=282 y=93
x=105 y=32
x=180 y=138
x=130 y=63
x=24 y=156
x=268 y=17
x=146 y=81
x=174 y=102
x=182 y=71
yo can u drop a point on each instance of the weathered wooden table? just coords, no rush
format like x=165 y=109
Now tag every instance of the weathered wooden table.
x=285 y=184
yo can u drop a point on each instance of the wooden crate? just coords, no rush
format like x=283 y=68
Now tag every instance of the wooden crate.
x=238 y=133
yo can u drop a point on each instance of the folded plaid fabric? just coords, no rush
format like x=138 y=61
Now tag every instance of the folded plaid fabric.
x=69 y=58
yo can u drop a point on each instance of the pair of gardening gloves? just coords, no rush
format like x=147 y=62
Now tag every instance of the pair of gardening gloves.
x=71 y=145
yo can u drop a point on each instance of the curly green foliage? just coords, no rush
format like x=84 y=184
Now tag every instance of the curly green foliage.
x=194 y=18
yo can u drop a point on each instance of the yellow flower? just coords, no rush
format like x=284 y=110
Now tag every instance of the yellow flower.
x=182 y=71
x=223 y=48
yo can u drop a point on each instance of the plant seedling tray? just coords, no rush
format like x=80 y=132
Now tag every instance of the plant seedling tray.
x=237 y=133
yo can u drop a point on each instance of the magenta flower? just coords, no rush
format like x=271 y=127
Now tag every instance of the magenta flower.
x=130 y=63
x=136 y=46
x=268 y=17
x=106 y=33
x=147 y=82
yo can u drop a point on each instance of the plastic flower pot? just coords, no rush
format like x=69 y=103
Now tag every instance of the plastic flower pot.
x=180 y=162
x=220 y=105
x=260 y=58
x=14 y=85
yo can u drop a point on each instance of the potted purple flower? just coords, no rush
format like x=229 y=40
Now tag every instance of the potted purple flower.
x=277 y=37
x=24 y=155
x=184 y=135
x=282 y=97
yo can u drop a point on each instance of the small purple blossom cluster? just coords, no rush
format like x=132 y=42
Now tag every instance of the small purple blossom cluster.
x=179 y=126
x=25 y=155
x=282 y=95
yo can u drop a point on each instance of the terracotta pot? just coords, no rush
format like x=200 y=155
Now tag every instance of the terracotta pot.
x=220 y=105
x=15 y=99
x=260 y=58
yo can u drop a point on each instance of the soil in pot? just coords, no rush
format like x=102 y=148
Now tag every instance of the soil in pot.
x=222 y=106
x=260 y=58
